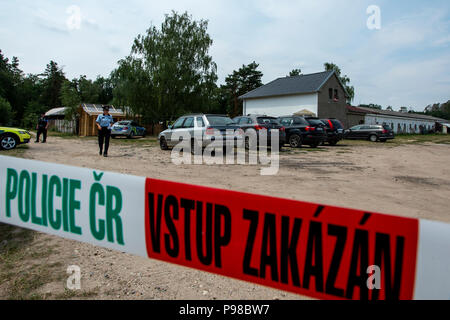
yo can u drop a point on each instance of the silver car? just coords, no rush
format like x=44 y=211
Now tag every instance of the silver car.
x=127 y=128
x=201 y=129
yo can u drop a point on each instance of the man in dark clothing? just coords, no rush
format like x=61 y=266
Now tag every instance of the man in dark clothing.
x=104 y=123
x=41 y=128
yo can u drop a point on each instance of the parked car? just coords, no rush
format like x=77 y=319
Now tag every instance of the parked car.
x=370 y=132
x=300 y=132
x=334 y=130
x=12 y=137
x=260 y=123
x=127 y=128
x=206 y=126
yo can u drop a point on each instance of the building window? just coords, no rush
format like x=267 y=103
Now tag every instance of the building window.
x=336 y=95
x=330 y=93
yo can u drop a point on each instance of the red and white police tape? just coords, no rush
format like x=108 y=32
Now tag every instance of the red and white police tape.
x=320 y=251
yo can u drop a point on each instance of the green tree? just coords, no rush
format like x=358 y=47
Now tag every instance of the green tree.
x=105 y=86
x=70 y=98
x=53 y=79
x=241 y=81
x=84 y=90
x=10 y=83
x=295 y=72
x=169 y=70
x=6 y=113
x=344 y=79
x=439 y=110
x=133 y=87
x=88 y=91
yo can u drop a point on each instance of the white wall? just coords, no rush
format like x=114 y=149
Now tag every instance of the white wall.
x=408 y=125
x=281 y=106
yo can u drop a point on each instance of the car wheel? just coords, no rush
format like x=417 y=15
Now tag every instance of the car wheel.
x=131 y=135
x=8 y=141
x=251 y=144
x=247 y=143
x=373 y=138
x=193 y=145
x=227 y=149
x=163 y=144
x=295 y=141
x=333 y=142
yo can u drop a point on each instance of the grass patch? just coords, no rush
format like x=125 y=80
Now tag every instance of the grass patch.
x=138 y=141
x=25 y=268
x=18 y=152
x=24 y=285
x=64 y=135
x=422 y=138
x=13 y=241
x=402 y=139
x=73 y=294
x=351 y=143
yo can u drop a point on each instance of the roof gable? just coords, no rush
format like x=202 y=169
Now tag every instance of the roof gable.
x=302 y=84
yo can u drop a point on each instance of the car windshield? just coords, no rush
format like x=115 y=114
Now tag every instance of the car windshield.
x=386 y=127
x=286 y=121
x=300 y=120
x=219 y=120
x=267 y=120
x=315 y=122
x=337 y=124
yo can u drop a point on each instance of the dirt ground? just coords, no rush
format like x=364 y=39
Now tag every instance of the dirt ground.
x=404 y=177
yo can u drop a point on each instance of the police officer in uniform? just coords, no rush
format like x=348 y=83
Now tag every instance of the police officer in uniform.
x=104 y=123
x=41 y=128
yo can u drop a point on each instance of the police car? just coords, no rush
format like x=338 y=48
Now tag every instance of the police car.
x=12 y=137
x=127 y=128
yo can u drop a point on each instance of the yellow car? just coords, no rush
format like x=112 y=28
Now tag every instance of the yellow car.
x=11 y=137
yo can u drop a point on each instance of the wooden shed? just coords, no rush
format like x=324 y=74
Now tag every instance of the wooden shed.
x=88 y=114
x=57 y=121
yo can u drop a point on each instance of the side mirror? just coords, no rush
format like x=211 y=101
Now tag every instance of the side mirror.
x=170 y=127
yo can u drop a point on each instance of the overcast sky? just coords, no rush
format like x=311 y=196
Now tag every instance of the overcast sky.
x=404 y=63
